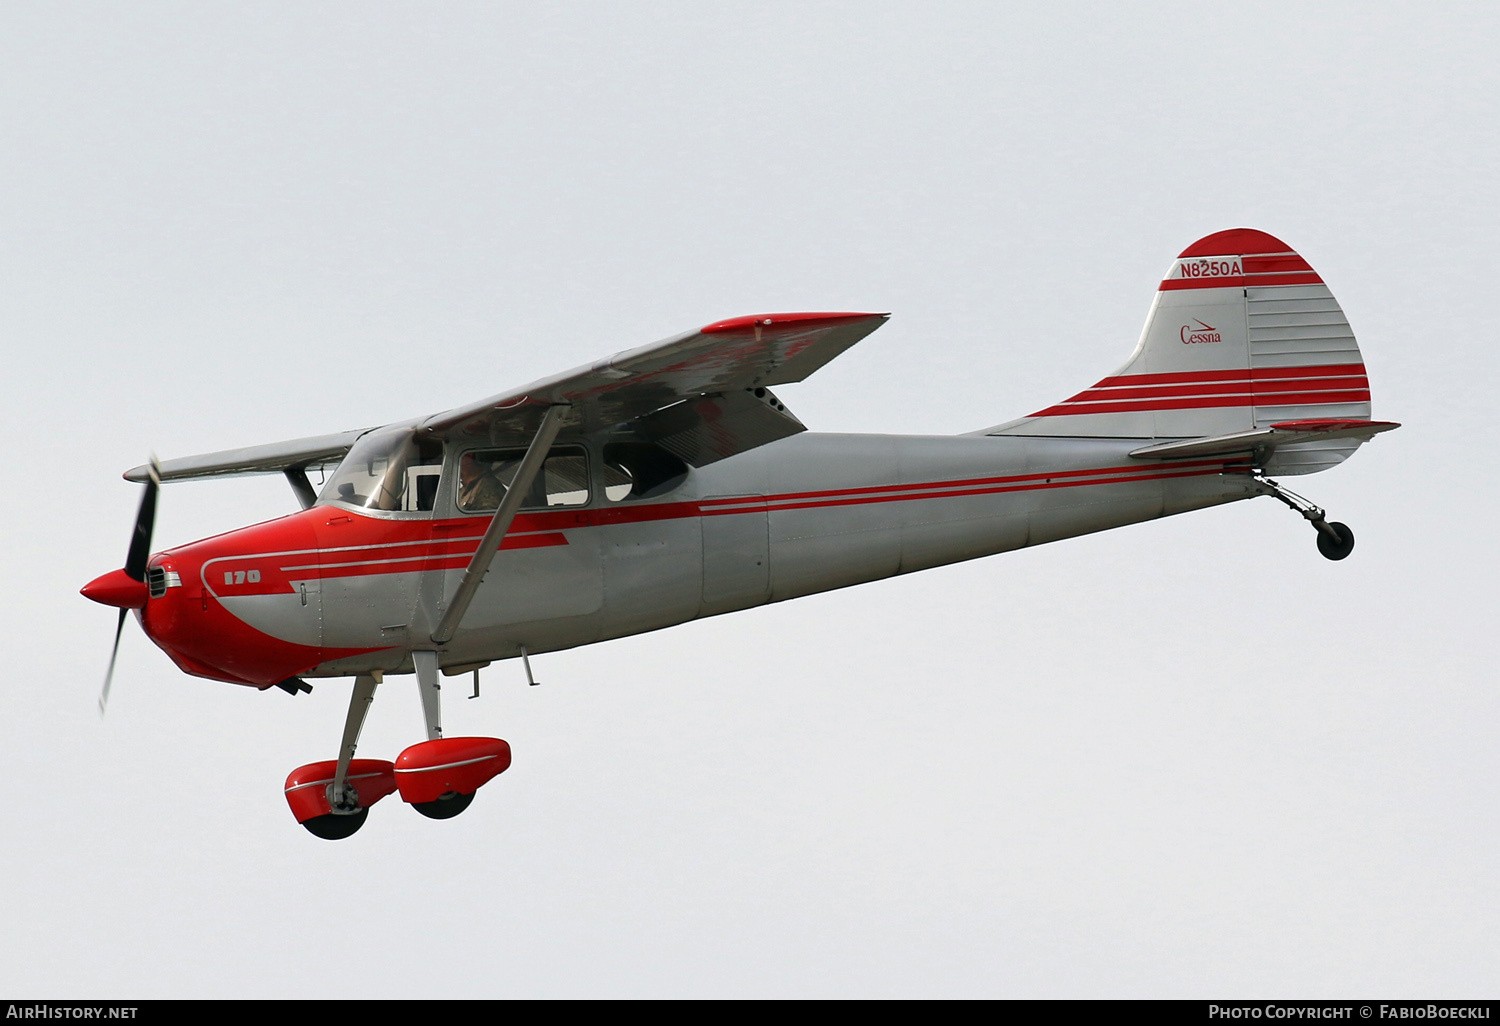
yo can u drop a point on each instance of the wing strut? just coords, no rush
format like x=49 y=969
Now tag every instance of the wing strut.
x=297 y=478
x=531 y=464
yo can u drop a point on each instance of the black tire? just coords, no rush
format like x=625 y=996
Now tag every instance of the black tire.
x=446 y=807
x=336 y=828
x=1336 y=549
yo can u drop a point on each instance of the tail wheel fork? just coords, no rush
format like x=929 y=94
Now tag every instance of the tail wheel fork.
x=1335 y=540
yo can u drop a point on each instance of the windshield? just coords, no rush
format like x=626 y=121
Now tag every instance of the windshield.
x=388 y=470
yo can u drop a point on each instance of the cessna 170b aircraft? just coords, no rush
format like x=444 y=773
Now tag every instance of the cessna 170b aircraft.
x=668 y=482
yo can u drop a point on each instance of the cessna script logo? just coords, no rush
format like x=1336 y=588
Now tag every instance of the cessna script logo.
x=1192 y=334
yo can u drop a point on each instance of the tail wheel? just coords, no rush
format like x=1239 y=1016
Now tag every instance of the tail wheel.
x=336 y=828
x=446 y=806
x=1332 y=549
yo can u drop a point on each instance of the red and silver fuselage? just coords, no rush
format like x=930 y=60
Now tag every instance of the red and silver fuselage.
x=337 y=589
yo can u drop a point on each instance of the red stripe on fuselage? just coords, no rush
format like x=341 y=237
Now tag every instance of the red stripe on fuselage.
x=1211 y=402
x=433 y=561
x=1134 y=468
x=1240 y=374
x=1329 y=384
x=994 y=490
x=1186 y=390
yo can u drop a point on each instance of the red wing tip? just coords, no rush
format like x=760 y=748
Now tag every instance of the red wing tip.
x=785 y=320
x=1235 y=241
x=1333 y=425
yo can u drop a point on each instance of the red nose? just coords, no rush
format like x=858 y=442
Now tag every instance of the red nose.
x=116 y=588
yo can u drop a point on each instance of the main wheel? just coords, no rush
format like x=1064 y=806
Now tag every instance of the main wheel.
x=445 y=807
x=336 y=828
x=1336 y=549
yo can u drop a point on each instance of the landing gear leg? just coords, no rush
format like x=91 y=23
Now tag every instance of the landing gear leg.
x=426 y=664
x=345 y=814
x=1335 y=540
x=450 y=803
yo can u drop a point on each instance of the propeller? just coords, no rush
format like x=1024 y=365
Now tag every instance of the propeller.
x=135 y=565
x=109 y=674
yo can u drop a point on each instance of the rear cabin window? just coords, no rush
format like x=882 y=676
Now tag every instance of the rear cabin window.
x=484 y=476
x=640 y=470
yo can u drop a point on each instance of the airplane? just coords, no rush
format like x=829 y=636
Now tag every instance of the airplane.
x=668 y=482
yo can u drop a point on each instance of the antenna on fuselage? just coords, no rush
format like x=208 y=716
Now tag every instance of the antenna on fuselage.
x=526 y=662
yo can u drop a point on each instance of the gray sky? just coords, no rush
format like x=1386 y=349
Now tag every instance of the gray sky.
x=1188 y=758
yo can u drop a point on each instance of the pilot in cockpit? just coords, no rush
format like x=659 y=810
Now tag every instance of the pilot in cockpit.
x=479 y=487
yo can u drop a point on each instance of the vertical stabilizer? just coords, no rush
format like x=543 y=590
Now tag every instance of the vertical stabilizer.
x=1242 y=334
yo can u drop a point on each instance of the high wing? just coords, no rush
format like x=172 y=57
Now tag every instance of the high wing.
x=274 y=458
x=701 y=394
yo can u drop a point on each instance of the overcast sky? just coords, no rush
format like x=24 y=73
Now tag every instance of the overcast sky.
x=1187 y=758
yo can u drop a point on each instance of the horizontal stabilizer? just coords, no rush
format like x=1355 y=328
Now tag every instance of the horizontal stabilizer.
x=1263 y=442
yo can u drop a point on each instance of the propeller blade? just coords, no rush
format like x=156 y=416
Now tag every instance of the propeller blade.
x=109 y=674
x=145 y=520
x=135 y=565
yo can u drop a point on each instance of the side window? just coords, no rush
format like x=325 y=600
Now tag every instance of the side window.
x=484 y=476
x=640 y=470
x=422 y=487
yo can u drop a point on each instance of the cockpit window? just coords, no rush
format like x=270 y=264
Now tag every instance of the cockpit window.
x=388 y=470
x=484 y=475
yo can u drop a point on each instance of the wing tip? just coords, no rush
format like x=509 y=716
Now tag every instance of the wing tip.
x=784 y=320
